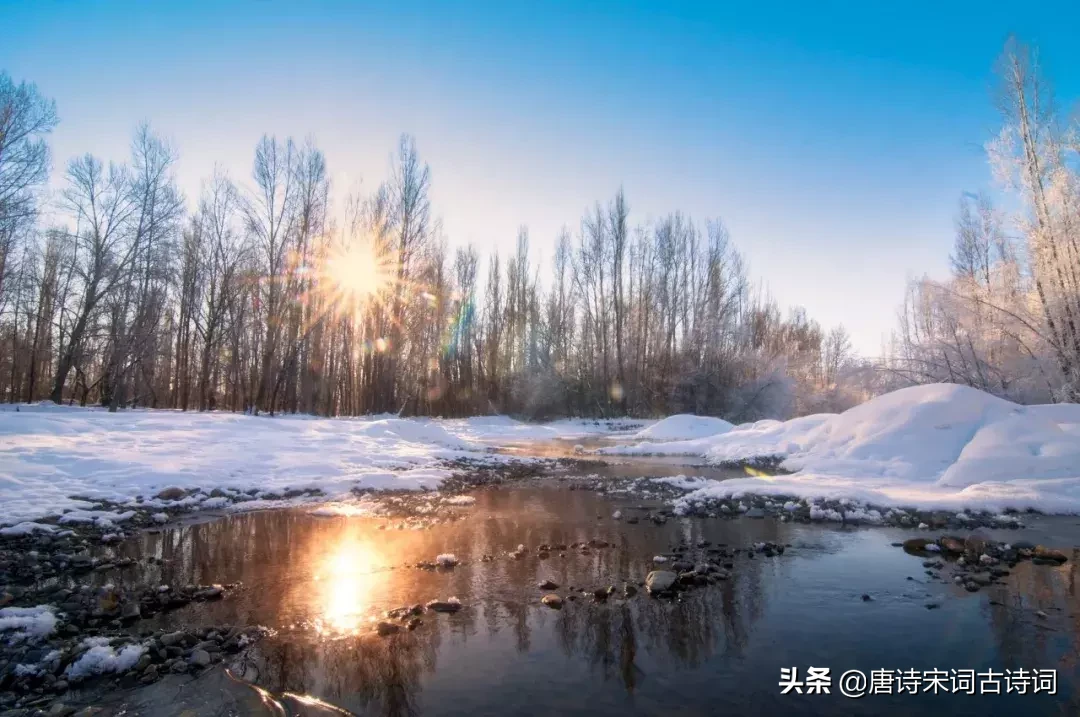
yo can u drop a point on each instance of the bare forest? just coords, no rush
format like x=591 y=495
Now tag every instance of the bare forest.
x=261 y=295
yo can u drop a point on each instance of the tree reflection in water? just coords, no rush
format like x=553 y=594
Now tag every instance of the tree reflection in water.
x=321 y=583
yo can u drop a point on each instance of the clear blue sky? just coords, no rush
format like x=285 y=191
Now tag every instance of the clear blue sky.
x=833 y=138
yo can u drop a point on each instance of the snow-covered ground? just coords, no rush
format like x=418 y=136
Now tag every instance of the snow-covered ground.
x=496 y=430
x=937 y=446
x=48 y=454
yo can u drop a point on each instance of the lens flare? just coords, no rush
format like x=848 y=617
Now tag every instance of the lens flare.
x=356 y=272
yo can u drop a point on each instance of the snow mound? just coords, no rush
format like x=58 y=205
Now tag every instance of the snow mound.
x=103 y=658
x=684 y=426
x=20 y=624
x=936 y=446
x=27 y=528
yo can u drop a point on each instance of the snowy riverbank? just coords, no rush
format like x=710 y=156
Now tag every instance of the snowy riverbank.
x=929 y=447
x=48 y=454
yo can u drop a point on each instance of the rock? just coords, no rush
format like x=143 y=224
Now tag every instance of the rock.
x=172 y=638
x=553 y=601
x=755 y=513
x=659 y=581
x=130 y=611
x=1024 y=545
x=629 y=590
x=59 y=709
x=60 y=686
x=602 y=594
x=1040 y=614
x=1049 y=555
x=212 y=592
x=916 y=544
x=387 y=628
x=446 y=560
x=866 y=598
x=444 y=605
x=932 y=606
x=414 y=623
x=548 y=585
x=952 y=545
x=173 y=493
x=199 y=658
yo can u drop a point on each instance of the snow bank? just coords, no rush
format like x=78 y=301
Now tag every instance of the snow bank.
x=936 y=446
x=684 y=426
x=102 y=658
x=27 y=528
x=55 y=458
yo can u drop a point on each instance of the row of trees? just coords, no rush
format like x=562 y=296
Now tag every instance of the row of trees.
x=261 y=296
x=1007 y=321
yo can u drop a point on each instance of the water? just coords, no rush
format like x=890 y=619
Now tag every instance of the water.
x=320 y=582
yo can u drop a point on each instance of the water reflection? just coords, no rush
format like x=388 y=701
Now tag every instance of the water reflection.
x=343 y=584
x=322 y=581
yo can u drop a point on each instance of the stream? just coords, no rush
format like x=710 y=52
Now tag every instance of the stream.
x=841 y=598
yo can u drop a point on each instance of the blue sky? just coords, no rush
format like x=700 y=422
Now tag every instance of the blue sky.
x=833 y=138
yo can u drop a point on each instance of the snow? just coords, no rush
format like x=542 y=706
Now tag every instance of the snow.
x=684 y=426
x=938 y=446
x=27 y=528
x=57 y=458
x=20 y=624
x=61 y=459
x=102 y=658
x=503 y=429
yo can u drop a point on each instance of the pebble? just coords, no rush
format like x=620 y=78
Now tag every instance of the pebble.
x=659 y=581
x=553 y=601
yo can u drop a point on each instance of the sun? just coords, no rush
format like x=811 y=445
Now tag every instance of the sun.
x=357 y=271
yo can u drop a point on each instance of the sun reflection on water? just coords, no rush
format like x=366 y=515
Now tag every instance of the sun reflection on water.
x=344 y=583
